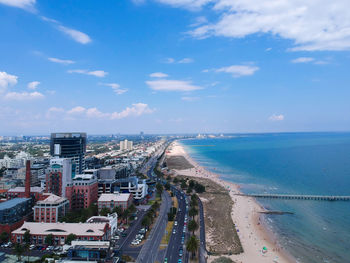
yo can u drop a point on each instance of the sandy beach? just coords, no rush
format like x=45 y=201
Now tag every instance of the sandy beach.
x=245 y=214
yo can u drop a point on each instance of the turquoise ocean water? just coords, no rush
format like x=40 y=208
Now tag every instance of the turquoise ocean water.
x=290 y=163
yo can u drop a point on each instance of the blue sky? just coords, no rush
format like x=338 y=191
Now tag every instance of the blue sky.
x=174 y=66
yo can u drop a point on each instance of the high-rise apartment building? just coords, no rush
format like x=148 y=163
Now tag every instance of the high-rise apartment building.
x=59 y=175
x=70 y=145
x=126 y=145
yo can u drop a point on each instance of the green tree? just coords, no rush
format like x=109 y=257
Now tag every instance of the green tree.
x=189 y=190
x=167 y=186
x=49 y=240
x=146 y=221
x=183 y=185
x=194 y=202
x=105 y=211
x=192 y=226
x=125 y=215
x=159 y=188
x=4 y=237
x=26 y=237
x=193 y=212
x=175 y=180
x=18 y=249
x=132 y=208
x=199 y=188
x=191 y=183
x=118 y=210
x=70 y=238
x=192 y=245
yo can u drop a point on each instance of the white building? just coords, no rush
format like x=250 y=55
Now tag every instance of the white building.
x=126 y=145
x=111 y=219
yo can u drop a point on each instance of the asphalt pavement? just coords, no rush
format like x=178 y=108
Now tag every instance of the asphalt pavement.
x=149 y=250
x=202 y=248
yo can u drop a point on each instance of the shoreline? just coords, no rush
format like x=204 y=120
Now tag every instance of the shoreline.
x=250 y=224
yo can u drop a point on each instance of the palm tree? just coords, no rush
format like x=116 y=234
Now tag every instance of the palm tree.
x=18 y=249
x=194 y=202
x=193 y=212
x=192 y=245
x=146 y=221
x=125 y=215
x=118 y=210
x=192 y=226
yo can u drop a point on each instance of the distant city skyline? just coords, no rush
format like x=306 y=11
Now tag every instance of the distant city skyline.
x=165 y=66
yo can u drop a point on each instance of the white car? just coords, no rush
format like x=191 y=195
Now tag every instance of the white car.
x=175 y=223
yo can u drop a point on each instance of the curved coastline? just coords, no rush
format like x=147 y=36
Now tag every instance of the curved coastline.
x=250 y=223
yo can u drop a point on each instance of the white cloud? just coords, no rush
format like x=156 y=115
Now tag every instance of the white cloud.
x=53 y=112
x=311 y=25
x=171 y=85
x=199 y=21
x=275 y=117
x=62 y=61
x=303 y=60
x=137 y=109
x=24 y=4
x=20 y=96
x=77 y=110
x=158 y=75
x=239 y=70
x=116 y=87
x=76 y=35
x=190 y=98
x=169 y=60
x=96 y=73
x=7 y=80
x=185 y=61
x=33 y=85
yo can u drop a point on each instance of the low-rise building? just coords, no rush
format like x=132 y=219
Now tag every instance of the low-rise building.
x=13 y=213
x=51 y=209
x=111 y=219
x=60 y=231
x=90 y=250
x=36 y=192
x=110 y=201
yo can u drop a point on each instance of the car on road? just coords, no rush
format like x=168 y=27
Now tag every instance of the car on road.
x=180 y=252
x=179 y=261
x=174 y=231
x=175 y=223
x=166 y=260
x=32 y=247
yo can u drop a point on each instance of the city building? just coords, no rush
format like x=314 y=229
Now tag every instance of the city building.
x=137 y=187
x=70 y=145
x=113 y=172
x=51 y=209
x=19 y=191
x=60 y=231
x=126 y=145
x=59 y=175
x=111 y=201
x=13 y=213
x=83 y=191
x=89 y=251
x=37 y=171
x=111 y=219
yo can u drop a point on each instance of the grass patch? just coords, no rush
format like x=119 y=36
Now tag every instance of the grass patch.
x=166 y=236
x=178 y=163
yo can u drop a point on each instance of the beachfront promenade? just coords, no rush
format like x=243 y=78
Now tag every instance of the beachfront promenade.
x=300 y=197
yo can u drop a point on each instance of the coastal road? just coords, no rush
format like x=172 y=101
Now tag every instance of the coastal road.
x=174 y=245
x=202 y=248
x=149 y=250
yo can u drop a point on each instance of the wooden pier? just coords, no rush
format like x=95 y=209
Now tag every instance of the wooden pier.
x=301 y=197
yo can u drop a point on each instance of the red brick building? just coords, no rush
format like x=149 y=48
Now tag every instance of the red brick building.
x=110 y=201
x=51 y=209
x=60 y=231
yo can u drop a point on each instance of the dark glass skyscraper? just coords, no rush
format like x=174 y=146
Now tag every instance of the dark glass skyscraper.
x=70 y=145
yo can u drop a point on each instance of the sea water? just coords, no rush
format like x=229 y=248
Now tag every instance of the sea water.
x=290 y=163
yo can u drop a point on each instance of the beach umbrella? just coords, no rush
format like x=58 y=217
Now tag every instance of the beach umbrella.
x=264 y=250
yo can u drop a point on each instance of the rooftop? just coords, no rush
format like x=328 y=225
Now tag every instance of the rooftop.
x=11 y=203
x=33 y=189
x=52 y=199
x=79 y=229
x=116 y=197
